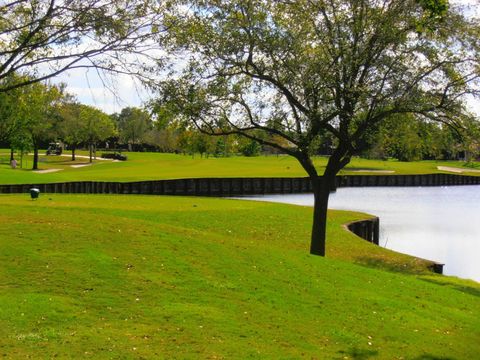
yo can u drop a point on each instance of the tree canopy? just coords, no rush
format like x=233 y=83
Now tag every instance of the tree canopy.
x=30 y=115
x=298 y=70
x=42 y=38
x=133 y=124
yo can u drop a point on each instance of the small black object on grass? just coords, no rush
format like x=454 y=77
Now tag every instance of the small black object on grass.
x=115 y=156
x=34 y=193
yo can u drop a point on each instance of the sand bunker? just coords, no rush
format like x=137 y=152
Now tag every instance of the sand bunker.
x=457 y=170
x=80 y=165
x=46 y=171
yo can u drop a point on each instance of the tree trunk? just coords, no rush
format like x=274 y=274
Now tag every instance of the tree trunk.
x=90 y=149
x=35 y=157
x=321 y=191
x=12 y=154
x=73 y=152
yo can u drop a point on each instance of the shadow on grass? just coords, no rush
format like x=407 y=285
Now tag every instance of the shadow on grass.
x=471 y=165
x=451 y=284
x=415 y=266
x=365 y=354
x=359 y=354
x=58 y=161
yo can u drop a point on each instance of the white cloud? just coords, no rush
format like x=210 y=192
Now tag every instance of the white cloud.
x=473 y=105
x=106 y=92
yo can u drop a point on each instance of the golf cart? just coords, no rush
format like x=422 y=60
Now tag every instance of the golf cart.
x=54 y=148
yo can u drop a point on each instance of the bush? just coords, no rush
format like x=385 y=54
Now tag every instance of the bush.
x=114 y=155
x=251 y=149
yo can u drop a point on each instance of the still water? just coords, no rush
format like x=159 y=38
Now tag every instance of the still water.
x=436 y=223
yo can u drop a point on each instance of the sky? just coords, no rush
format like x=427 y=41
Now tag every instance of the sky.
x=112 y=94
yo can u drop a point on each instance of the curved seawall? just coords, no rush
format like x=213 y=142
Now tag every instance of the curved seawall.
x=369 y=230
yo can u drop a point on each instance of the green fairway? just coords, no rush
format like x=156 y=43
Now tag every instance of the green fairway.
x=154 y=166
x=146 y=277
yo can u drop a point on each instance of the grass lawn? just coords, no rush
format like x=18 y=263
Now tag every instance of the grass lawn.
x=154 y=166
x=145 y=277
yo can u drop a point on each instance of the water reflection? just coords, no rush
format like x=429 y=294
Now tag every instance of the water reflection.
x=436 y=223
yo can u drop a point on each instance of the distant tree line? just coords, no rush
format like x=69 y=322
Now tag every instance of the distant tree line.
x=402 y=137
x=151 y=130
x=407 y=138
x=34 y=115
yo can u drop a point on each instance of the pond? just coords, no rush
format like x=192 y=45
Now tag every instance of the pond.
x=435 y=223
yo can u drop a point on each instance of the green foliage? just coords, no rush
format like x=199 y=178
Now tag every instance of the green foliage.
x=408 y=138
x=435 y=9
x=201 y=144
x=220 y=147
x=251 y=148
x=83 y=124
x=165 y=140
x=96 y=124
x=40 y=102
x=33 y=116
x=399 y=138
x=72 y=124
x=43 y=38
x=9 y=112
x=21 y=142
x=133 y=125
x=325 y=82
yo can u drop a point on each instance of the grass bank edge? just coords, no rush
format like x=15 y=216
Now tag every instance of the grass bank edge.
x=202 y=255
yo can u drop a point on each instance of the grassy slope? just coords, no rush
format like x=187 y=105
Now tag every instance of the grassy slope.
x=151 y=166
x=159 y=277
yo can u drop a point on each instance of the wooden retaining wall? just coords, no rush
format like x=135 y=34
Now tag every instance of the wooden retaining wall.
x=237 y=186
x=369 y=230
x=193 y=187
x=406 y=180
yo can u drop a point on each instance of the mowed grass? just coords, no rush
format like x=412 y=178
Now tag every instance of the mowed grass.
x=153 y=166
x=146 y=277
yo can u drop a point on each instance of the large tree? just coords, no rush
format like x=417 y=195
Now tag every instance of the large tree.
x=133 y=124
x=72 y=125
x=96 y=126
x=304 y=70
x=37 y=105
x=9 y=117
x=43 y=38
